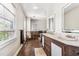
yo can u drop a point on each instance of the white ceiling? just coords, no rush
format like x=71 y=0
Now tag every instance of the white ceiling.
x=42 y=11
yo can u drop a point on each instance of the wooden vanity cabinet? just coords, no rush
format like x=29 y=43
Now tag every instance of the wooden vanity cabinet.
x=47 y=46
x=72 y=51
x=67 y=50
x=61 y=45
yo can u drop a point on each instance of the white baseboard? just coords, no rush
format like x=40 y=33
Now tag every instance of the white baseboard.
x=18 y=50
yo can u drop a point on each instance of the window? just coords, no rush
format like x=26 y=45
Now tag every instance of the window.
x=7 y=20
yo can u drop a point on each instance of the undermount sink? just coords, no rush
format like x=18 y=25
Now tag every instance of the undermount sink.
x=67 y=37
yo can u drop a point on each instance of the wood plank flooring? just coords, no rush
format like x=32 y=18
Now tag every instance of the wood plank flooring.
x=28 y=48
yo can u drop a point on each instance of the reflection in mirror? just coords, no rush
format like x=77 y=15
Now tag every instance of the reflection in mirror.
x=51 y=25
x=71 y=18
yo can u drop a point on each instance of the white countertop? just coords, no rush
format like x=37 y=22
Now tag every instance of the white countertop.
x=63 y=40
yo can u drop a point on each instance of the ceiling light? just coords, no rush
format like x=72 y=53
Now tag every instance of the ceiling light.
x=35 y=7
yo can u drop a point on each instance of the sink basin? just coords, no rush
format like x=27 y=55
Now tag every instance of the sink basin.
x=67 y=38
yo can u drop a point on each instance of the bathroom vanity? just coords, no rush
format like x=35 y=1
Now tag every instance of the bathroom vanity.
x=56 y=46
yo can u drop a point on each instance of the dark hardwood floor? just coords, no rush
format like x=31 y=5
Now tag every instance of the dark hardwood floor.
x=28 y=47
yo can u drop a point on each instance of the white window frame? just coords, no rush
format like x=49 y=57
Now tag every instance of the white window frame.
x=10 y=40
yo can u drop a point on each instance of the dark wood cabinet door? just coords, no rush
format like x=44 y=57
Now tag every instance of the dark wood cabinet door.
x=72 y=51
x=47 y=46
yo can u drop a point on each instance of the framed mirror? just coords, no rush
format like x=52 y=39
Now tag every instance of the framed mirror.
x=71 y=18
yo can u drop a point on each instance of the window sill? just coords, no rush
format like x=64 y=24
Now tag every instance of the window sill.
x=6 y=42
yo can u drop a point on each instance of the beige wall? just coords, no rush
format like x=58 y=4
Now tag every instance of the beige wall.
x=72 y=19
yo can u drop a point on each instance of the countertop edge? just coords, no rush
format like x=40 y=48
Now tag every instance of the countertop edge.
x=66 y=42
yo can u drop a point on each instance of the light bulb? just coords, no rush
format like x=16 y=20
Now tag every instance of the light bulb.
x=35 y=7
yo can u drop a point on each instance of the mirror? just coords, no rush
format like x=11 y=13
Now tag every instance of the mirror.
x=71 y=18
x=51 y=24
